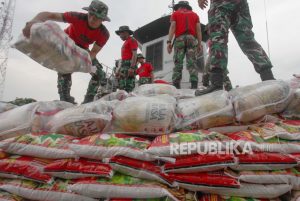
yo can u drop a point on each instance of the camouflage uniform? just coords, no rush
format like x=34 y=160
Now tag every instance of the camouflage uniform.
x=145 y=80
x=126 y=82
x=235 y=15
x=64 y=83
x=185 y=45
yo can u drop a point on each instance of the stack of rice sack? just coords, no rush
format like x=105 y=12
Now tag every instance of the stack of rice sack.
x=150 y=145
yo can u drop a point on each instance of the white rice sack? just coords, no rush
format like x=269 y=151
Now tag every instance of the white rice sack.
x=255 y=190
x=214 y=109
x=145 y=115
x=155 y=89
x=50 y=146
x=121 y=186
x=44 y=112
x=293 y=109
x=118 y=95
x=34 y=191
x=17 y=121
x=6 y=106
x=185 y=93
x=255 y=101
x=51 y=47
x=267 y=177
x=84 y=120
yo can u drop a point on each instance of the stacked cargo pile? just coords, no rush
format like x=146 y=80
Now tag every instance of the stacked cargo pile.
x=155 y=144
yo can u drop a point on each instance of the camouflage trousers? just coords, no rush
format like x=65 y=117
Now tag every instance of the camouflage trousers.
x=235 y=15
x=64 y=83
x=205 y=77
x=185 y=46
x=126 y=82
x=145 y=80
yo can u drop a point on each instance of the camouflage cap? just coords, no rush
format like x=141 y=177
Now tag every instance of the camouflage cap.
x=184 y=4
x=124 y=29
x=99 y=9
x=140 y=56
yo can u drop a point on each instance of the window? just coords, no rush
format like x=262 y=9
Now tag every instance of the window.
x=154 y=55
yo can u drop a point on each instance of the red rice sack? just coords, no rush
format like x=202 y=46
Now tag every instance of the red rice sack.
x=186 y=143
x=140 y=169
x=121 y=186
x=84 y=120
x=200 y=163
x=75 y=169
x=257 y=143
x=211 y=110
x=30 y=190
x=255 y=101
x=23 y=167
x=108 y=145
x=51 y=47
x=205 y=181
x=264 y=161
x=50 y=146
x=145 y=115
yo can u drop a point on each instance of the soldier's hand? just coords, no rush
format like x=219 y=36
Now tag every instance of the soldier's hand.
x=169 y=48
x=26 y=29
x=200 y=49
x=203 y=4
x=131 y=72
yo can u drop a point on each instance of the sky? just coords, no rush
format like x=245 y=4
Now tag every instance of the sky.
x=26 y=78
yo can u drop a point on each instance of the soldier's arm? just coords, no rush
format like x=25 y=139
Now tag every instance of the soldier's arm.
x=94 y=51
x=203 y=4
x=42 y=17
x=171 y=35
x=133 y=58
x=199 y=36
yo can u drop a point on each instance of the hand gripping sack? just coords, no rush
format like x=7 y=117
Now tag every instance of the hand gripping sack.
x=211 y=110
x=51 y=47
x=255 y=101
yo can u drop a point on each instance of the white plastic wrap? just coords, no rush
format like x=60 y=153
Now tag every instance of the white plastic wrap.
x=255 y=101
x=51 y=47
x=84 y=120
x=155 y=89
x=293 y=109
x=214 y=109
x=145 y=115
x=6 y=106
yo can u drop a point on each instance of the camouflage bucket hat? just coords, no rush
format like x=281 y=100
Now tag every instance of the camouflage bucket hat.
x=99 y=9
x=140 y=56
x=184 y=4
x=123 y=29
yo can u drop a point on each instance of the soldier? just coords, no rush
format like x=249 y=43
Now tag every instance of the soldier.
x=84 y=29
x=235 y=15
x=126 y=73
x=185 y=24
x=144 y=71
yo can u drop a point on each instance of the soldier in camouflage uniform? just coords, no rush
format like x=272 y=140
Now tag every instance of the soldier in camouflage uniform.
x=126 y=73
x=84 y=29
x=235 y=15
x=145 y=71
x=185 y=25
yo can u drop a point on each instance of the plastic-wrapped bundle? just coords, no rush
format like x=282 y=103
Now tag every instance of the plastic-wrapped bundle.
x=210 y=197
x=255 y=101
x=84 y=120
x=57 y=190
x=145 y=115
x=6 y=106
x=155 y=89
x=214 y=109
x=50 y=146
x=5 y=196
x=121 y=186
x=293 y=109
x=118 y=95
x=51 y=47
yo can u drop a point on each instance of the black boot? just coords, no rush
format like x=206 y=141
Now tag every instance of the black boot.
x=216 y=78
x=88 y=99
x=266 y=75
x=67 y=98
x=205 y=80
x=176 y=84
x=194 y=85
